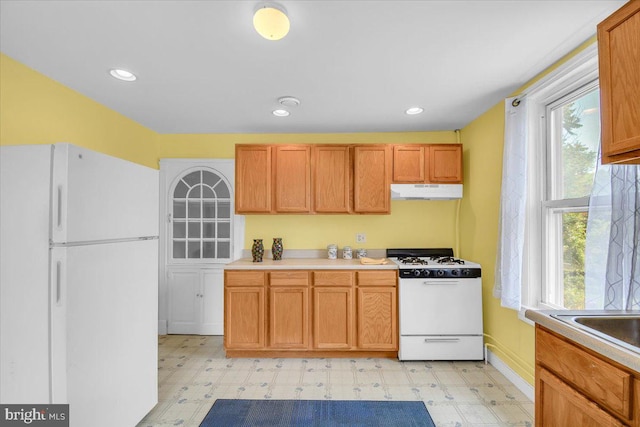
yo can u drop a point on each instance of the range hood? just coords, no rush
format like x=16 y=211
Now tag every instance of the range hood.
x=426 y=191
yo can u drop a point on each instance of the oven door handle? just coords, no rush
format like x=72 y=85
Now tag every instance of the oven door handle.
x=441 y=282
x=430 y=340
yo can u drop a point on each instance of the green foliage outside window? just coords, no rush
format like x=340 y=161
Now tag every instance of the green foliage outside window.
x=578 y=171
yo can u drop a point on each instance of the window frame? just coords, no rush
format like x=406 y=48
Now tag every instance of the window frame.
x=571 y=76
x=215 y=220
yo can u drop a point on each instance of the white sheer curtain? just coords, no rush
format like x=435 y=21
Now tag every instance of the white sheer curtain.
x=511 y=227
x=612 y=253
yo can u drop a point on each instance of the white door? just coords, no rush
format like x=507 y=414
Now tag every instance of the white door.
x=199 y=234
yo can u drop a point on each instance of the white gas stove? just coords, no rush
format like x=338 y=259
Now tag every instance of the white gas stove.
x=440 y=305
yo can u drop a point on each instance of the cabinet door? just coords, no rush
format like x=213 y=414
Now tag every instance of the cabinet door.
x=372 y=179
x=184 y=302
x=195 y=301
x=244 y=305
x=292 y=180
x=333 y=320
x=331 y=179
x=377 y=318
x=244 y=317
x=619 y=61
x=253 y=179
x=444 y=163
x=558 y=405
x=408 y=163
x=288 y=317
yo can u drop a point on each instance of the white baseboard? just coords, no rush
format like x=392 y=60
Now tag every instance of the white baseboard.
x=162 y=327
x=511 y=375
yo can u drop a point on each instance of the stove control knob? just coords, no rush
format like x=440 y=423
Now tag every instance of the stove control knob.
x=416 y=273
x=466 y=272
x=440 y=273
x=455 y=272
x=426 y=273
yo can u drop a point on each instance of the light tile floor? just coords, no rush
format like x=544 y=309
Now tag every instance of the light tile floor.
x=193 y=372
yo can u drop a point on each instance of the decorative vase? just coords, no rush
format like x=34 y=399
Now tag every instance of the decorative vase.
x=277 y=248
x=257 y=250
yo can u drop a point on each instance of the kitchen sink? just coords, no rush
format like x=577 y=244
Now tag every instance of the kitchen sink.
x=622 y=329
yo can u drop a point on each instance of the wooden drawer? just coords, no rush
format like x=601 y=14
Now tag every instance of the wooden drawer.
x=244 y=278
x=332 y=278
x=598 y=380
x=289 y=278
x=377 y=278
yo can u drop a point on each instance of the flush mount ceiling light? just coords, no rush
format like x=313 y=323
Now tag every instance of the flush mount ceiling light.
x=125 y=75
x=281 y=113
x=289 y=101
x=414 y=110
x=271 y=21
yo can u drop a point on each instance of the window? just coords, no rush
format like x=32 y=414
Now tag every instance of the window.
x=572 y=137
x=563 y=128
x=201 y=217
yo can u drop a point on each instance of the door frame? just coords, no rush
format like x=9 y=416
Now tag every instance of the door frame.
x=170 y=170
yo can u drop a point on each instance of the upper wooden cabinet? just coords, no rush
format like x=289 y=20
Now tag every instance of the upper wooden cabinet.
x=619 y=60
x=292 y=178
x=431 y=163
x=445 y=163
x=372 y=178
x=307 y=178
x=331 y=178
x=253 y=179
x=273 y=179
x=409 y=163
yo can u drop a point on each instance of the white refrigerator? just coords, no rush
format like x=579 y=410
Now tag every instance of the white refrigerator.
x=78 y=283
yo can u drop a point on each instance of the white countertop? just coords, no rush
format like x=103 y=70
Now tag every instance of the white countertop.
x=307 y=264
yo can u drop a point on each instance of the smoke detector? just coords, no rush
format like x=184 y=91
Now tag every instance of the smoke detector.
x=289 y=101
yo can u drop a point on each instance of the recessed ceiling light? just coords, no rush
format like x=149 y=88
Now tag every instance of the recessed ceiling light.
x=414 y=110
x=289 y=101
x=125 y=75
x=281 y=113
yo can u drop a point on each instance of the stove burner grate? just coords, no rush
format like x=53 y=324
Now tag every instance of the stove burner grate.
x=449 y=260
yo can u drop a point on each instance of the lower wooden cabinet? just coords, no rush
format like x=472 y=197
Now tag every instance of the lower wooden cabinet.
x=376 y=318
x=326 y=311
x=561 y=406
x=333 y=318
x=377 y=310
x=575 y=386
x=244 y=317
x=289 y=310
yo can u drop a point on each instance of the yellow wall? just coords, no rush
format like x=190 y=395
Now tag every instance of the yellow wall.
x=411 y=223
x=510 y=338
x=37 y=110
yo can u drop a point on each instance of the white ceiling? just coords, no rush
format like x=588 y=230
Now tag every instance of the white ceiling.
x=355 y=65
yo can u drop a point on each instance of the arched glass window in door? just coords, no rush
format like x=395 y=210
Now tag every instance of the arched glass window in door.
x=201 y=220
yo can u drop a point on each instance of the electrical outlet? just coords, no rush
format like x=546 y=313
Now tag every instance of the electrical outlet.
x=361 y=238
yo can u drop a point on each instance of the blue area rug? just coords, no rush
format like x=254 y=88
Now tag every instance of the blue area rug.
x=238 y=412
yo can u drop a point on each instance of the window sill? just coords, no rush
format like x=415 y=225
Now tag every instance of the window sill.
x=541 y=306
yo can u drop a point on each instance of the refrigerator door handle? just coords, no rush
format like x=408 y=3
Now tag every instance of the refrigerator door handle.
x=59 y=210
x=58 y=282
